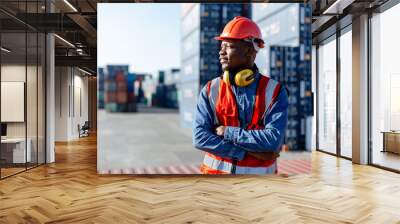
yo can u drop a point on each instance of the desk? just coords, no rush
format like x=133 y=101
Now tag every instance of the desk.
x=391 y=141
x=15 y=148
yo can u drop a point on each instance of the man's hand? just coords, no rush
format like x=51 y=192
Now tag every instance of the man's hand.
x=264 y=155
x=220 y=131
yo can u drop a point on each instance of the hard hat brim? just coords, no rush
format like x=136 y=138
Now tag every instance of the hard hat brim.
x=221 y=38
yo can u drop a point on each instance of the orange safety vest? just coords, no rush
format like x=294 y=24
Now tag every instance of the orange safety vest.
x=223 y=103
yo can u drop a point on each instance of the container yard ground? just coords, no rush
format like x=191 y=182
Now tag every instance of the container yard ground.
x=150 y=138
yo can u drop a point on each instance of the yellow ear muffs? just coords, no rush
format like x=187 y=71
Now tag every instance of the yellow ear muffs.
x=242 y=78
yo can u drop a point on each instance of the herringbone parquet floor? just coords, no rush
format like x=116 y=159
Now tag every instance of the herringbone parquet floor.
x=70 y=191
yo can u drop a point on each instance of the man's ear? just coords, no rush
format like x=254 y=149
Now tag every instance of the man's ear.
x=249 y=52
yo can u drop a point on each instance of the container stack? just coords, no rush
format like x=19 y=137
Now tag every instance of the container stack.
x=279 y=24
x=100 y=91
x=166 y=94
x=172 y=96
x=172 y=78
x=305 y=59
x=284 y=68
x=200 y=58
x=110 y=88
x=292 y=67
x=131 y=104
x=213 y=19
x=210 y=26
x=159 y=96
x=119 y=90
x=159 y=99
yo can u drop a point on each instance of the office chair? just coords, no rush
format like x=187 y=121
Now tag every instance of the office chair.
x=84 y=130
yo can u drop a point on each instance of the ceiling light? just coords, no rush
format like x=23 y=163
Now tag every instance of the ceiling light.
x=64 y=40
x=70 y=5
x=338 y=6
x=5 y=50
x=86 y=72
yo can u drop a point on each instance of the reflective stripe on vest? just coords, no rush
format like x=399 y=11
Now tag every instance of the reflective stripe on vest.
x=270 y=95
x=225 y=167
x=225 y=112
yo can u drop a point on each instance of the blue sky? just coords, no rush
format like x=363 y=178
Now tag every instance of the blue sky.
x=145 y=36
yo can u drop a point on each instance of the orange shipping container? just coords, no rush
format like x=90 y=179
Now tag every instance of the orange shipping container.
x=120 y=77
x=121 y=86
x=110 y=97
x=122 y=97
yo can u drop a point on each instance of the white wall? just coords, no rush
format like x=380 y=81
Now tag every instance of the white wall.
x=71 y=93
x=12 y=73
x=80 y=94
x=33 y=126
x=61 y=103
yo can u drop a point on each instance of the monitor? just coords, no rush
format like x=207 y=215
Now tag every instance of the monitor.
x=3 y=129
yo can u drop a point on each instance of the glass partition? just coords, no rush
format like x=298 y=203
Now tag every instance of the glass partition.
x=14 y=153
x=385 y=89
x=327 y=95
x=22 y=88
x=346 y=93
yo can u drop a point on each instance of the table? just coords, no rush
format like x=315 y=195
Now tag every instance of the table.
x=391 y=141
x=15 y=148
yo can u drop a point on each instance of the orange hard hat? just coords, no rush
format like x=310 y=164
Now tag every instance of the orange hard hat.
x=242 y=28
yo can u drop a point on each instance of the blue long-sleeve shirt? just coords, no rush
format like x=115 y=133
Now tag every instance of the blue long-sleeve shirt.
x=238 y=140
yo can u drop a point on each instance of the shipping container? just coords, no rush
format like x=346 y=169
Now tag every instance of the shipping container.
x=122 y=97
x=284 y=66
x=161 y=77
x=110 y=86
x=190 y=44
x=200 y=52
x=113 y=70
x=111 y=107
x=100 y=95
x=120 y=77
x=171 y=96
x=121 y=107
x=100 y=79
x=131 y=97
x=130 y=81
x=121 y=86
x=118 y=94
x=110 y=97
x=262 y=11
x=131 y=107
x=186 y=113
x=190 y=17
x=100 y=88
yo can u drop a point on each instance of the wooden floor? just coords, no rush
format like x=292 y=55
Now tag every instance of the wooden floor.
x=70 y=191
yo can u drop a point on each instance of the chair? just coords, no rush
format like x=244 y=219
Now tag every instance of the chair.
x=84 y=130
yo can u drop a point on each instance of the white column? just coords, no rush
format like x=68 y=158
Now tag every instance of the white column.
x=50 y=93
x=63 y=112
x=360 y=90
